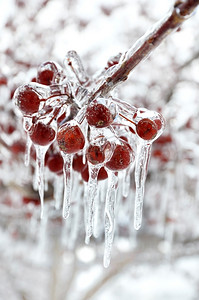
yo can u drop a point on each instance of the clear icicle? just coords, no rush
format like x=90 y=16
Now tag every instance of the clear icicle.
x=86 y=144
x=67 y=184
x=97 y=216
x=85 y=197
x=58 y=191
x=35 y=176
x=76 y=215
x=27 y=152
x=92 y=191
x=119 y=206
x=99 y=209
x=126 y=182
x=130 y=208
x=110 y=216
x=141 y=166
x=40 y=155
x=74 y=67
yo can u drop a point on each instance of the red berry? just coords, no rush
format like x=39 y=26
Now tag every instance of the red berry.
x=27 y=200
x=41 y=134
x=45 y=77
x=102 y=175
x=161 y=155
x=78 y=163
x=158 y=123
x=164 y=139
x=55 y=163
x=85 y=173
x=3 y=81
x=120 y=159
x=49 y=152
x=18 y=147
x=46 y=73
x=12 y=93
x=146 y=129
x=70 y=139
x=8 y=128
x=61 y=119
x=98 y=115
x=95 y=155
x=28 y=101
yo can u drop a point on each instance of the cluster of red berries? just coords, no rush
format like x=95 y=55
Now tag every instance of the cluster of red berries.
x=99 y=133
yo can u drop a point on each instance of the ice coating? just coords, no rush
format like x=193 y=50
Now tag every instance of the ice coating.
x=40 y=155
x=67 y=184
x=112 y=147
x=92 y=191
x=109 y=219
x=141 y=165
x=27 y=153
x=74 y=68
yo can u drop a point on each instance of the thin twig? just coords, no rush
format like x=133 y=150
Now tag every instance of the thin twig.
x=171 y=91
x=144 y=46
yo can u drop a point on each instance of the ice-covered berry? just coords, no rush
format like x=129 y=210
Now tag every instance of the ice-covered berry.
x=70 y=138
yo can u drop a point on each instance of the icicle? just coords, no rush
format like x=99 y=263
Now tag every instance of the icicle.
x=40 y=155
x=76 y=214
x=74 y=67
x=92 y=191
x=126 y=182
x=58 y=191
x=119 y=206
x=67 y=184
x=35 y=176
x=86 y=144
x=27 y=152
x=110 y=216
x=97 y=218
x=130 y=210
x=46 y=186
x=141 y=165
x=99 y=209
x=85 y=200
x=125 y=108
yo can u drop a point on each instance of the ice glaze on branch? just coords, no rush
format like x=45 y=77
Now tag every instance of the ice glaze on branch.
x=146 y=44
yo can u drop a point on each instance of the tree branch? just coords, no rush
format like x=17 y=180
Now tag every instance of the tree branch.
x=145 y=45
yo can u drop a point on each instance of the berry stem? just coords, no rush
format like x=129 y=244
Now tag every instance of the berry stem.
x=127 y=119
x=145 y=45
x=56 y=112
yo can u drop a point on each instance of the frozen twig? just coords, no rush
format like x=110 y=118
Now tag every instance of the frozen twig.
x=145 y=45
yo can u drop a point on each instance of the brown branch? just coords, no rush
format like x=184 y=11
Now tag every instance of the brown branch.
x=143 y=47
